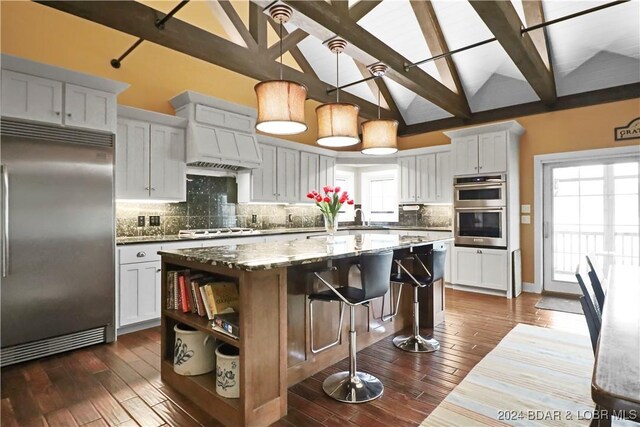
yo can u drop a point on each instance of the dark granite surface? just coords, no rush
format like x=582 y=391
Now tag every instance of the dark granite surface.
x=175 y=238
x=264 y=256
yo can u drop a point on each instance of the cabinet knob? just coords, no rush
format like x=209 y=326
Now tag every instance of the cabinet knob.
x=141 y=254
x=146 y=188
x=158 y=270
x=57 y=113
x=480 y=167
x=153 y=189
x=479 y=251
x=69 y=115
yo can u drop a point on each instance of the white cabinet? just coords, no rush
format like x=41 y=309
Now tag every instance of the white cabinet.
x=309 y=174
x=32 y=98
x=425 y=178
x=483 y=268
x=327 y=174
x=35 y=98
x=167 y=163
x=150 y=161
x=287 y=175
x=89 y=108
x=407 y=179
x=277 y=178
x=483 y=153
x=139 y=296
x=492 y=152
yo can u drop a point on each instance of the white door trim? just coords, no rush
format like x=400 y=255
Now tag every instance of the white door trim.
x=538 y=162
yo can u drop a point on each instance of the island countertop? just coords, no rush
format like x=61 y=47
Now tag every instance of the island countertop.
x=265 y=256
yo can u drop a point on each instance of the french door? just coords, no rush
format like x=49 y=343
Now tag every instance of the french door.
x=590 y=208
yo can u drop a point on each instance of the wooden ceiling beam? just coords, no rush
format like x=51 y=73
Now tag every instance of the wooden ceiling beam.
x=533 y=15
x=258 y=25
x=503 y=21
x=289 y=41
x=433 y=35
x=137 y=19
x=294 y=50
x=232 y=23
x=600 y=96
x=413 y=79
x=379 y=85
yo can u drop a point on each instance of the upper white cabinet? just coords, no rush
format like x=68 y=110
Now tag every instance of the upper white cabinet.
x=309 y=174
x=277 y=179
x=150 y=157
x=486 y=150
x=465 y=153
x=426 y=178
x=492 y=152
x=327 y=174
x=32 y=98
x=89 y=108
x=48 y=94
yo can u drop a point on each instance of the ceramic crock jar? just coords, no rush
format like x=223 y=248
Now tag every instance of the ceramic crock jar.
x=228 y=371
x=194 y=352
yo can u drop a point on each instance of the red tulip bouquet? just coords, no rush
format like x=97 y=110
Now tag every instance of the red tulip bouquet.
x=330 y=205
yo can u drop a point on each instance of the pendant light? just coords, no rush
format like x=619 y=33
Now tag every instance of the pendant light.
x=281 y=102
x=337 y=121
x=379 y=137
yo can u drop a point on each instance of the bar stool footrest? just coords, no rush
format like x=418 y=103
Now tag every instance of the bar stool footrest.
x=416 y=343
x=358 y=389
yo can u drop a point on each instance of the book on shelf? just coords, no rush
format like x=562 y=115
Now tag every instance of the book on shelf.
x=222 y=331
x=230 y=322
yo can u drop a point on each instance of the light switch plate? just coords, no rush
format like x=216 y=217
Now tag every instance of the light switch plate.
x=525 y=209
x=525 y=219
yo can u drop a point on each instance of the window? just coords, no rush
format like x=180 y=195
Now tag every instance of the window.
x=346 y=181
x=380 y=195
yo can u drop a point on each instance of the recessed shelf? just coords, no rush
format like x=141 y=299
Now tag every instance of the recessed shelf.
x=200 y=323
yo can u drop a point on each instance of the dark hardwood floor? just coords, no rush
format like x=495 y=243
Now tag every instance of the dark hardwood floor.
x=119 y=383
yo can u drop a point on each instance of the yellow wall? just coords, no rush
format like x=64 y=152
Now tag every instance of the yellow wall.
x=569 y=130
x=156 y=74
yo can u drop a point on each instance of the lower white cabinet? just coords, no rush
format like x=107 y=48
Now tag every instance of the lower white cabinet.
x=482 y=268
x=139 y=298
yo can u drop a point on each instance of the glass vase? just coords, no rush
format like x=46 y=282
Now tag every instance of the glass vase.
x=330 y=225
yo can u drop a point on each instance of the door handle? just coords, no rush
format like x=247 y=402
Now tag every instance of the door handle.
x=545 y=229
x=5 y=221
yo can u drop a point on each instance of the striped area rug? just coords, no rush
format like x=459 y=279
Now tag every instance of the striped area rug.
x=535 y=376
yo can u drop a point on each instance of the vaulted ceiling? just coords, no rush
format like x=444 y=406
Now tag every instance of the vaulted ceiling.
x=588 y=59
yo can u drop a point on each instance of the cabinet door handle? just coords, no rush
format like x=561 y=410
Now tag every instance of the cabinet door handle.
x=5 y=221
x=141 y=254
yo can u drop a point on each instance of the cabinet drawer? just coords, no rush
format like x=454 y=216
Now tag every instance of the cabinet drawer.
x=213 y=116
x=139 y=253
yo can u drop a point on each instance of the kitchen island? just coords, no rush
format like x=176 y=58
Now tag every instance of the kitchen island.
x=274 y=280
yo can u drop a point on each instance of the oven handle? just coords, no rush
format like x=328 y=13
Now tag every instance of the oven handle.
x=480 y=184
x=493 y=209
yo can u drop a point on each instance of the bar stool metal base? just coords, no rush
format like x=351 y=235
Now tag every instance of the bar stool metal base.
x=358 y=389
x=416 y=344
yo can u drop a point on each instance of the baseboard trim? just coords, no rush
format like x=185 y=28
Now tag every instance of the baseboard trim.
x=477 y=290
x=138 y=326
x=531 y=288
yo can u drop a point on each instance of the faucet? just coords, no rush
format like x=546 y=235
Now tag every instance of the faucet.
x=362 y=217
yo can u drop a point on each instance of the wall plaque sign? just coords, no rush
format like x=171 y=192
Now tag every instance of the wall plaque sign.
x=630 y=131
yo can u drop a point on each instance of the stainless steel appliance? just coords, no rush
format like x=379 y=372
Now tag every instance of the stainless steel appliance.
x=482 y=227
x=58 y=240
x=480 y=191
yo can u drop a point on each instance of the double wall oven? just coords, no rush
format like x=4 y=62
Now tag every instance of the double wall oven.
x=480 y=211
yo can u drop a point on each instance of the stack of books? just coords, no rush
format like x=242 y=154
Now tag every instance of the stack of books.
x=199 y=294
x=227 y=323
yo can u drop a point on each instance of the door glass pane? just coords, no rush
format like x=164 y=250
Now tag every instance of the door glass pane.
x=595 y=211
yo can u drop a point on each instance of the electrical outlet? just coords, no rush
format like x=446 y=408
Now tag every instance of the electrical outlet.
x=141 y=221
x=254 y=218
x=290 y=217
x=154 y=221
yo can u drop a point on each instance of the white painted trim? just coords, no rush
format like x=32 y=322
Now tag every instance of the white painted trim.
x=26 y=66
x=278 y=142
x=138 y=326
x=151 y=116
x=511 y=126
x=189 y=97
x=538 y=163
x=478 y=290
x=445 y=148
x=531 y=288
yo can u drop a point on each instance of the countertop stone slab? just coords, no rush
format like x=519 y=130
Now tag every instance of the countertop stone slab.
x=175 y=238
x=264 y=256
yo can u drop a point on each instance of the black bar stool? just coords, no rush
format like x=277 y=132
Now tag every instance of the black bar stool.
x=416 y=343
x=354 y=386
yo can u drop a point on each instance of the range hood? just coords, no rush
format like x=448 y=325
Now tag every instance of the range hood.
x=220 y=134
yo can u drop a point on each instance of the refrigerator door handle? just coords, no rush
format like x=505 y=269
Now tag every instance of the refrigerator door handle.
x=5 y=221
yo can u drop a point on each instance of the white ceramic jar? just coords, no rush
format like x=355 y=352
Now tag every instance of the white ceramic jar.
x=194 y=352
x=228 y=371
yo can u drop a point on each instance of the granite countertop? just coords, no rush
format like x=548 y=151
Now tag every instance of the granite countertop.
x=176 y=238
x=264 y=256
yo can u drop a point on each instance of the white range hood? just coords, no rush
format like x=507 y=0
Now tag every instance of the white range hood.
x=220 y=134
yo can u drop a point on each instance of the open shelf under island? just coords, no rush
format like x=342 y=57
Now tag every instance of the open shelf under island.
x=274 y=280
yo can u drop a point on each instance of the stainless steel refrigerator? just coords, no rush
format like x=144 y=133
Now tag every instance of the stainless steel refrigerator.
x=58 y=280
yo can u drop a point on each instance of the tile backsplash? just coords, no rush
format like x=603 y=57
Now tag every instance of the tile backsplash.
x=211 y=203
